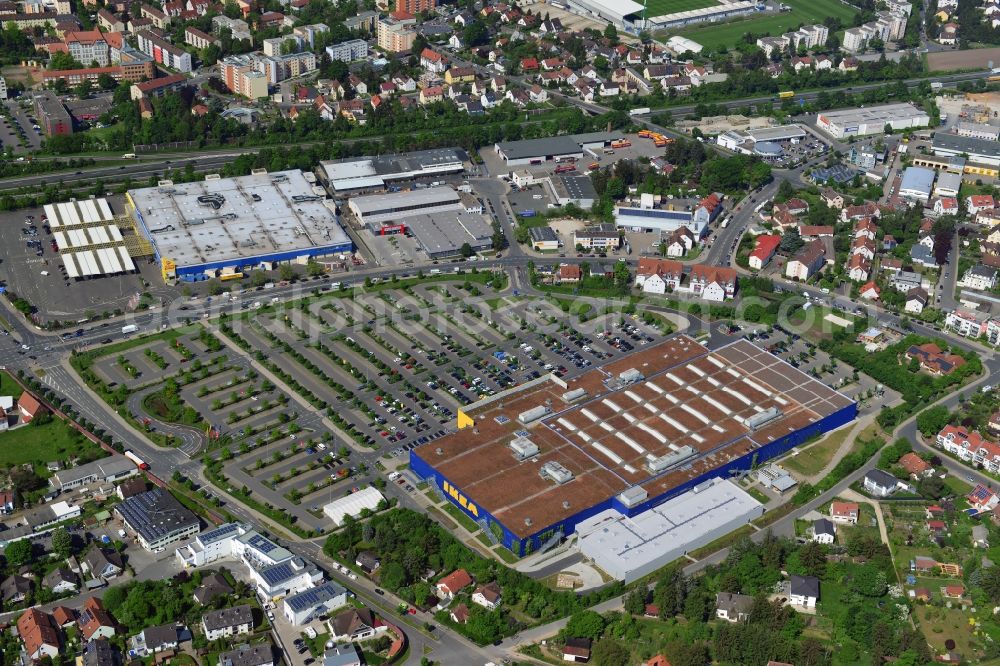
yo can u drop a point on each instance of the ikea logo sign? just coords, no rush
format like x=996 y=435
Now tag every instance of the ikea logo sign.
x=462 y=500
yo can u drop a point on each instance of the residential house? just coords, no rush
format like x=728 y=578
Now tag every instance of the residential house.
x=213 y=585
x=39 y=633
x=916 y=300
x=655 y=276
x=933 y=360
x=803 y=591
x=766 y=246
x=94 y=621
x=261 y=654
x=733 y=607
x=577 y=650
x=367 y=561
x=823 y=531
x=982 y=498
x=460 y=614
x=453 y=583
x=103 y=564
x=29 y=407
x=488 y=596
x=227 y=622
x=915 y=466
x=157 y=639
x=879 y=483
x=567 y=273
x=810 y=259
x=16 y=588
x=870 y=291
x=61 y=581
x=354 y=624
x=970 y=447
x=980 y=278
x=712 y=283
x=979 y=202
x=844 y=512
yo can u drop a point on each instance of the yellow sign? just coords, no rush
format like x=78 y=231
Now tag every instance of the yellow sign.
x=464 y=420
x=462 y=500
x=168 y=268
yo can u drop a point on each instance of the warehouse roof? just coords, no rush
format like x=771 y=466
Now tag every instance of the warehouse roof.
x=105 y=468
x=884 y=113
x=527 y=148
x=678 y=521
x=653 y=420
x=917 y=179
x=953 y=143
x=445 y=233
x=431 y=196
x=359 y=172
x=218 y=220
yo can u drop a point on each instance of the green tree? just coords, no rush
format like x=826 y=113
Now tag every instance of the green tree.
x=18 y=553
x=931 y=420
x=611 y=33
x=609 y=651
x=466 y=250
x=475 y=34
x=62 y=542
x=585 y=624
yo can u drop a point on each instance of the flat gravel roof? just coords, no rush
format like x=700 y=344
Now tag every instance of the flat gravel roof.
x=240 y=218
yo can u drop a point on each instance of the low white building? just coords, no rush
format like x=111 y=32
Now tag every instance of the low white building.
x=304 y=606
x=803 y=591
x=353 y=504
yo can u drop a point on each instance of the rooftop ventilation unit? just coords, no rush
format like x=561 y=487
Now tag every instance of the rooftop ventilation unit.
x=575 y=394
x=556 y=472
x=633 y=496
x=663 y=462
x=762 y=418
x=532 y=415
x=523 y=448
x=630 y=376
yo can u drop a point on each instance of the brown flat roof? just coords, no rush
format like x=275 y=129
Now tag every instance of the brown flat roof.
x=689 y=396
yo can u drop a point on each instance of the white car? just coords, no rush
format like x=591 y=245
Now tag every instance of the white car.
x=310 y=632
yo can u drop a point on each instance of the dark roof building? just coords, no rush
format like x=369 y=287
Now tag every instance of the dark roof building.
x=157 y=519
x=213 y=585
x=249 y=655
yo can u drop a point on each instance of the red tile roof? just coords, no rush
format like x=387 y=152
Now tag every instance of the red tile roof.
x=456 y=580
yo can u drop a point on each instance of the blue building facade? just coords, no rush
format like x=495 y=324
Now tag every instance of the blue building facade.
x=522 y=546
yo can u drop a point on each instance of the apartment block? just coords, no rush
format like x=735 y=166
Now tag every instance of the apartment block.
x=87 y=47
x=163 y=52
x=198 y=39
x=396 y=32
x=242 y=77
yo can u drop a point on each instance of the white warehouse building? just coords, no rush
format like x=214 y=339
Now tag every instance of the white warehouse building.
x=630 y=548
x=353 y=504
x=862 y=122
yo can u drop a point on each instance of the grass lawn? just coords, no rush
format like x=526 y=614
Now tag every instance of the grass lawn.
x=940 y=624
x=505 y=555
x=714 y=36
x=818 y=455
x=814 y=325
x=957 y=485
x=661 y=7
x=39 y=444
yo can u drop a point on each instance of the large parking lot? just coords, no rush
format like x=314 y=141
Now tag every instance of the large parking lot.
x=802 y=354
x=30 y=266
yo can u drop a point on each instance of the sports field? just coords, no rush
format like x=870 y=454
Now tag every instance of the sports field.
x=661 y=7
x=716 y=35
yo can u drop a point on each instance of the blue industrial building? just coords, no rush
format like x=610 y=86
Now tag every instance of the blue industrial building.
x=463 y=454
x=224 y=227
